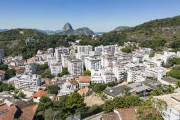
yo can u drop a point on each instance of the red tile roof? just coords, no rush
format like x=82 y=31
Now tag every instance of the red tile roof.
x=110 y=116
x=83 y=79
x=40 y=93
x=10 y=112
x=28 y=111
x=128 y=113
x=83 y=90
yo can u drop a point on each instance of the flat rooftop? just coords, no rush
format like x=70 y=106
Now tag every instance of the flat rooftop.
x=172 y=100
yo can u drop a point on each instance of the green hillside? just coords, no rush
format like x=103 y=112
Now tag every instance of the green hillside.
x=19 y=34
x=158 y=34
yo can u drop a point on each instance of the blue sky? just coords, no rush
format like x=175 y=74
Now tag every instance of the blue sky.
x=98 y=15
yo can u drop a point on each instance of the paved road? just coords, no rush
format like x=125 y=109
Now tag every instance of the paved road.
x=94 y=117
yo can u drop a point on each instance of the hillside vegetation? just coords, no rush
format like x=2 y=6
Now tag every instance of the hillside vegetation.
x=157 y=34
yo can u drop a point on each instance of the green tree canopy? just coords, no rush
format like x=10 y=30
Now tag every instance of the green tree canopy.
x=87 y=73
x=53 y=89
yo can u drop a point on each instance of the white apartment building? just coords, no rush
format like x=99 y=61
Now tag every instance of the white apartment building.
x=83 y=51
x=92 y=63
x=107 y=60
x=110 y=49
x=96 y=76
x=55 y=68
x=172 y=112
x=120 y=72
x=59 y=51
x=135 y=73
x=108 y=76
x=64 y=59
x=30 y=81
x=102 y=76
x=75 y=67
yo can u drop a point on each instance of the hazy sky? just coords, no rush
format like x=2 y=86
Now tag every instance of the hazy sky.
x=98 y=15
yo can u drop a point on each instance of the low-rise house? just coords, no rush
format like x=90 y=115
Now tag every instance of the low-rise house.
x=115 y=91
x=169 y=81
x=2 y=75
x=172 y=111
x=121 y=114
x=31 y=67
x=152 y=83
x=28 y=111
x=83 y=81
x=139 y=88
x=7 y=111
x=85 y=91
x=37 y=95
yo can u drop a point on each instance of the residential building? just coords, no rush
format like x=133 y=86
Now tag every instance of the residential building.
x=169 y=81
x=85 y=91
x=83 y=51
x=30 y=81
x=135 y=73
x=59 y=51
x=31 y=67
x=108 y=75
x=66 y=88
x=139 y=88
x=96 y=76
x=92 y=63
x=7 y=111
x=55 y=68
x=121 y=114
x=115 y=91
x=75 y=67
x=83 y=81
x=172 y=112
x=37 y=95
x=120 y=71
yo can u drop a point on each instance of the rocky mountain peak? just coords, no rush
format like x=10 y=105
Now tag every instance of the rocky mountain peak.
x=67 y=26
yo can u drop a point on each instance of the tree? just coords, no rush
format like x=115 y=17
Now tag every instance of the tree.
x=3 y=67
x=126 y=50
x=178 y=83
x=53 y=89
x=87 y=73
x=147 y=110
x=99 y=87
x=157 y=91
x=108 y=106
x=170 y=89
x=64 y=72
x=45 y=102
x=51 y=114
x=44 y=66
x=10 y=73
x=21 y=95
x=175 y=72
x=74 y=101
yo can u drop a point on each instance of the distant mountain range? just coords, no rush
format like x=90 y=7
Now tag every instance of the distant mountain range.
x=121 y=28
x=66 y=30
x=3 y=30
